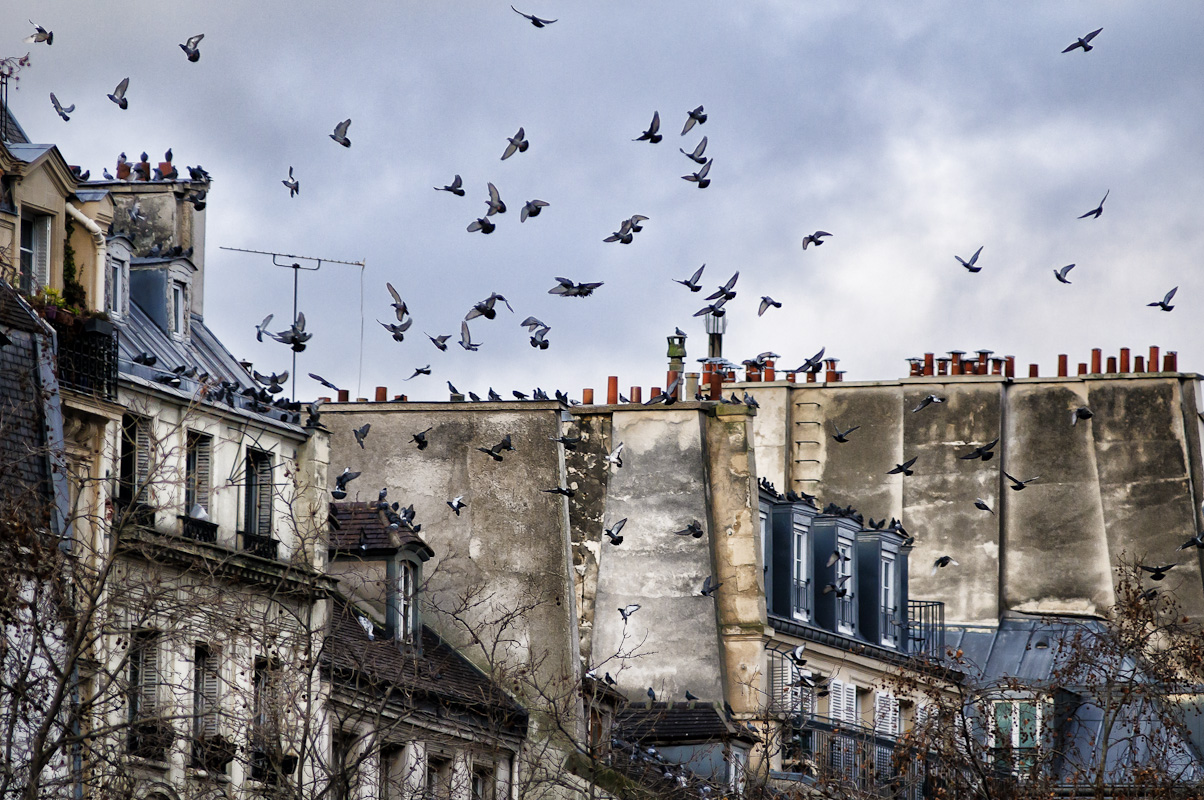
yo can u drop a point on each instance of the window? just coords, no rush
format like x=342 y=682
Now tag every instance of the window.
x=144 y=675
x=842 y=708
x=1016 y=734
x=268 y=763
x=35 y=253
x=117 y=287
x=342 y=749
x=792 y=695
x=764 y=536
x=482 y=783
x=845 y=620
x=133 y=490
x=438 y=778
x=196 y=475
x=801 y=569
x=886 y=714
x=407 y=601
x=207 y=751
x=890 y=603
x=257 y=517
x=738 y=766
x=179 y=308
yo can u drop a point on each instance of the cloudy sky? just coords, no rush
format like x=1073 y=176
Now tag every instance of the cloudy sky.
x=911 y=131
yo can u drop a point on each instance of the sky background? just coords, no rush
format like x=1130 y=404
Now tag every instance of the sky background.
x=912 y=132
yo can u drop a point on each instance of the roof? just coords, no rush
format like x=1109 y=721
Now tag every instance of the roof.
x=15 y=314
x=679 y=723
x=435 y=672
x=91 y=195
x=12 y=132
x=360 y=529
x=29 y=153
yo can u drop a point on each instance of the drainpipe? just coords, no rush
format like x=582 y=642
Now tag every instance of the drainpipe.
x=98 y=274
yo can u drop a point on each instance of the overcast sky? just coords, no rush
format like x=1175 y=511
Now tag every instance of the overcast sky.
x=912 y=132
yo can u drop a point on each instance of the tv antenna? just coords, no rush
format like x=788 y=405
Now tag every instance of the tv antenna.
x=313 y=264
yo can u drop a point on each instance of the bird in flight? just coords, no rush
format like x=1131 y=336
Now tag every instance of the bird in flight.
x=612 y=533
x=1018 y=485
x=531 y=209
x=457 y=503
x=1095 y=212
x=767 y=303
x=695 y=117
x=1165 y=302
x=439 y=341
x=518 y=142
x=700 y=177
x=466 y=339
x=1083 y=42
x=294 y=185
x=567 y=288
x=481 y=224
x=361 y=434
x=693 y=529
x=981 y=505
x=842 y=436
x=536 y=21
x=399 y=330
x=692 y=283
x=118 y=95
x=616 y=456
x=1156 y=573
x=943 y=561
x=340 y=483
x=697 y=155
x=984 y=452
x=1082 y=412
x=904 y=468
x=58 y=108
x=399 y=305
x=813 y=364
x=191 y=47
x=496 y=206
x=814 y=238
x=486 y=309
x=927 y=401
x=972 y=264
x=340 y=133
x=323 y=381
x=456 y=187
x=1196 y=541
x=1060 y=274
x=709 y=587
x=420 y=439
x=628 y=610
x=40 y=35
x=419 y=371
x=651 y=134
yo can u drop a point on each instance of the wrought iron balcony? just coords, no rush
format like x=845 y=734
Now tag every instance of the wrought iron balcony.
x=891 y=627
x=926 y=628
x=202 y=530
x=134 y=513
x=87 y=357
x=800 y=599
x=856 y=758
x=262 y=546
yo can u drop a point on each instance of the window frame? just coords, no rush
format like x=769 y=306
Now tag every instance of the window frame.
x=409 y=575
x=800 y=569
x=844 y=605
x=33 y=257
x=206 y=691
x=1019 y=759
x=117 y=286
x=258 y=501
x=198 y=471
x=144 y=675
x=178 y=303
x=888 y=578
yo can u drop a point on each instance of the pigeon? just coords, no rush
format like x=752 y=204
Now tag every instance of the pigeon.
x=709 y=587
x=398 y=331
x=262 y=328
x=813 y=364
x=1083 y=42
x=835 y=556
x=340 y=483
x=118 y=95
x=692 y=283
x=294 y=185
x=518 y=142
x=538 y=23
x=1060 y=274
x=814 y=238
x=58 y=108
x=420 y=438
x=651 y=134
x=365 y=623
x=1196 y=541
x=40 y=35
x=494 y=396
x=569 y=442
x=192 y=50
x=340 y=133
x=838 y=586
x=1156 y=573
x=905 y=468
x=633 y=222
x=796 y=655
x=612 y=533
x=108 y=176
x=531 y=209
x=539 y=339
x=466 y=339
x=697 y=116
x=1165 y=302
x=750 y=401
x=700 y=177
x=942 y=562
x=495 y=452
x=651 y=694
x=496 y=206
x=1095 y=212
x=767 y=303
x=616 y=456
x=455 y=187
x=971 y=265
x=981 y=505
x=361 y=434
x=439 y=341
x=274 y=382
x=295 y=336
x=561 y=490
x=324 y=382
x=627 y=610
x=531 y=324
x=697 y=154
x=1082 y=412
x=481 y=224
x=567 y=288
x=693 y=529
x=625 y=234
x=1018 y=485
x=457 y=503
x=486 y=308
x=927 y=401
x=725 y=291
x=984 y=452
x=518 y=395
x=843 y=436
x=690 y=697
x=145 y=359
x=399 y=305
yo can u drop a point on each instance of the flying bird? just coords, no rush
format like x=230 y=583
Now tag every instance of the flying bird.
x=1018 y=485
x=834 y=557
x=439 y=341
x=972 y=264
x=927 y=401
x=1157 y=573
x=1083 y=42
x=981 y=505
x=531 y=209
x=1165 y=302
x=905 y=468
x=984 y=452
x=695 y=117
x=456 y=187
x=191 y=47
x=942 y=562
x=536 y=21
x=1095 y=212
x=697 y=154
x=294 y=185
x=616 y=456
x=709 y=587
x=340 y=133
x=118 y=95
x=838 y=586
x=466 y=338
x=628 y=610
x=767 y=303
x=692 y=283
x=651 y=134
x=1060 y=274
x=539 y=339
x=531 y=324
x=398 y=331
x=40 y=35
x=612 y=533
x=566 y=288
x=340 y=483
x=481 y=224
x=361 y=434
x=813 y=364
x=1196 y=541
x=323 y=381
x=486 y=308
x=700 y=177
x=842 y=436
x=693 y=529
x=1082 y=412
x=725 y=291
x=457 y=503
x=496 y=206
x=560 y=490
x=58 y=108
x=419 y=371
x=814 y=238
x=399 y=305
x=518 y=142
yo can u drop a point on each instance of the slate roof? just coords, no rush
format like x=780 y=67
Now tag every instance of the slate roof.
x=438 y=673
x=679 y=723
x=25 y=492
x=12 y=132
x=29 y=153
x=359 y=529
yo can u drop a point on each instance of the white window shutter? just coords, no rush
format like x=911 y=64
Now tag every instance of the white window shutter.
x=148 y=690
x=41 y=251
x=204 y=447
x=850 y=703
x=836 y=699
x=142 y=451
x=886 y=713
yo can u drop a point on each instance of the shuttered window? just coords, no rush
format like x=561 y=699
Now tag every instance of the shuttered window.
x=197 y=475
x=842 y=701
x=886 y=714
x=136 y=449
x=258 y=510
x=407 y=601
x=144 y=675
x=41 y=251
x=206 y=672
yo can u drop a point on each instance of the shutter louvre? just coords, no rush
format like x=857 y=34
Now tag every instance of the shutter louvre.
x=41 y=252
x=148 y=689
x=209 y=691
x=263 y=468
x=142 y=457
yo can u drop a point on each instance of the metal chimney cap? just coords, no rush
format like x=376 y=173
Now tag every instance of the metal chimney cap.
x=715 y=324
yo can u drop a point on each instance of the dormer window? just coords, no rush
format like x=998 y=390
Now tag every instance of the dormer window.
x=117 y=287
x=35 y=253
x=179 y=308
x=408 y=620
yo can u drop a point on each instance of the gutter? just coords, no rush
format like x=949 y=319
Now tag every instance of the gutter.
x=97 y=291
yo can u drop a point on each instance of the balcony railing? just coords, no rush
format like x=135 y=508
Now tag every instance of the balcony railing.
x=845 y=618
x=800 y=599
x=134 y=514
x=87 y=358
x=202 y=530
x=926 y=628
x=835 y=753
x=262 y=546
x=890 y=626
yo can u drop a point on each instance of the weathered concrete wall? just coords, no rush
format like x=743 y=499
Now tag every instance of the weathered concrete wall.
x=586 y=466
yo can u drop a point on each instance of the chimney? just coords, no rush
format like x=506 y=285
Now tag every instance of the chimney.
x=676 y=352
x=715 y=327
x=983 y=355
x=587 y=397
x=942 y=366
x=344 y=395
x=1063 y=366
x=1009 y=367
x=612 y=390
x=1112 y=365
x=928 y=364
x=955 y=359
x=1082 y=368
x=382 y=394
x=637 y=394
x=691 y=385
x=1096 y=358
x=1170 y=361
x=1124 y=359
x=1139 y=364
x=1152 y=364
x=1033 y=371
x=767 y=373
x=716 y=384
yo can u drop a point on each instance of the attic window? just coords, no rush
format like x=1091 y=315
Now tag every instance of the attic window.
x=179 y=296
x=35 y=253
x=117 y=287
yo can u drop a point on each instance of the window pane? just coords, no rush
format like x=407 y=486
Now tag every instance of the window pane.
x=1027 y=724
x=1003 y=723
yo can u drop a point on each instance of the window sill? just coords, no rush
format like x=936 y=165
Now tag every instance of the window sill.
x=149 y=763
x=196 y=773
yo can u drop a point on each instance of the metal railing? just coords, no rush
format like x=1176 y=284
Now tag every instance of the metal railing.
x=857 y=758
x=844 y=613
x=87 y=359
x=926 y=628
x=262 y=546
x=890 y=627
x=201 y=530
x=800 y=598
